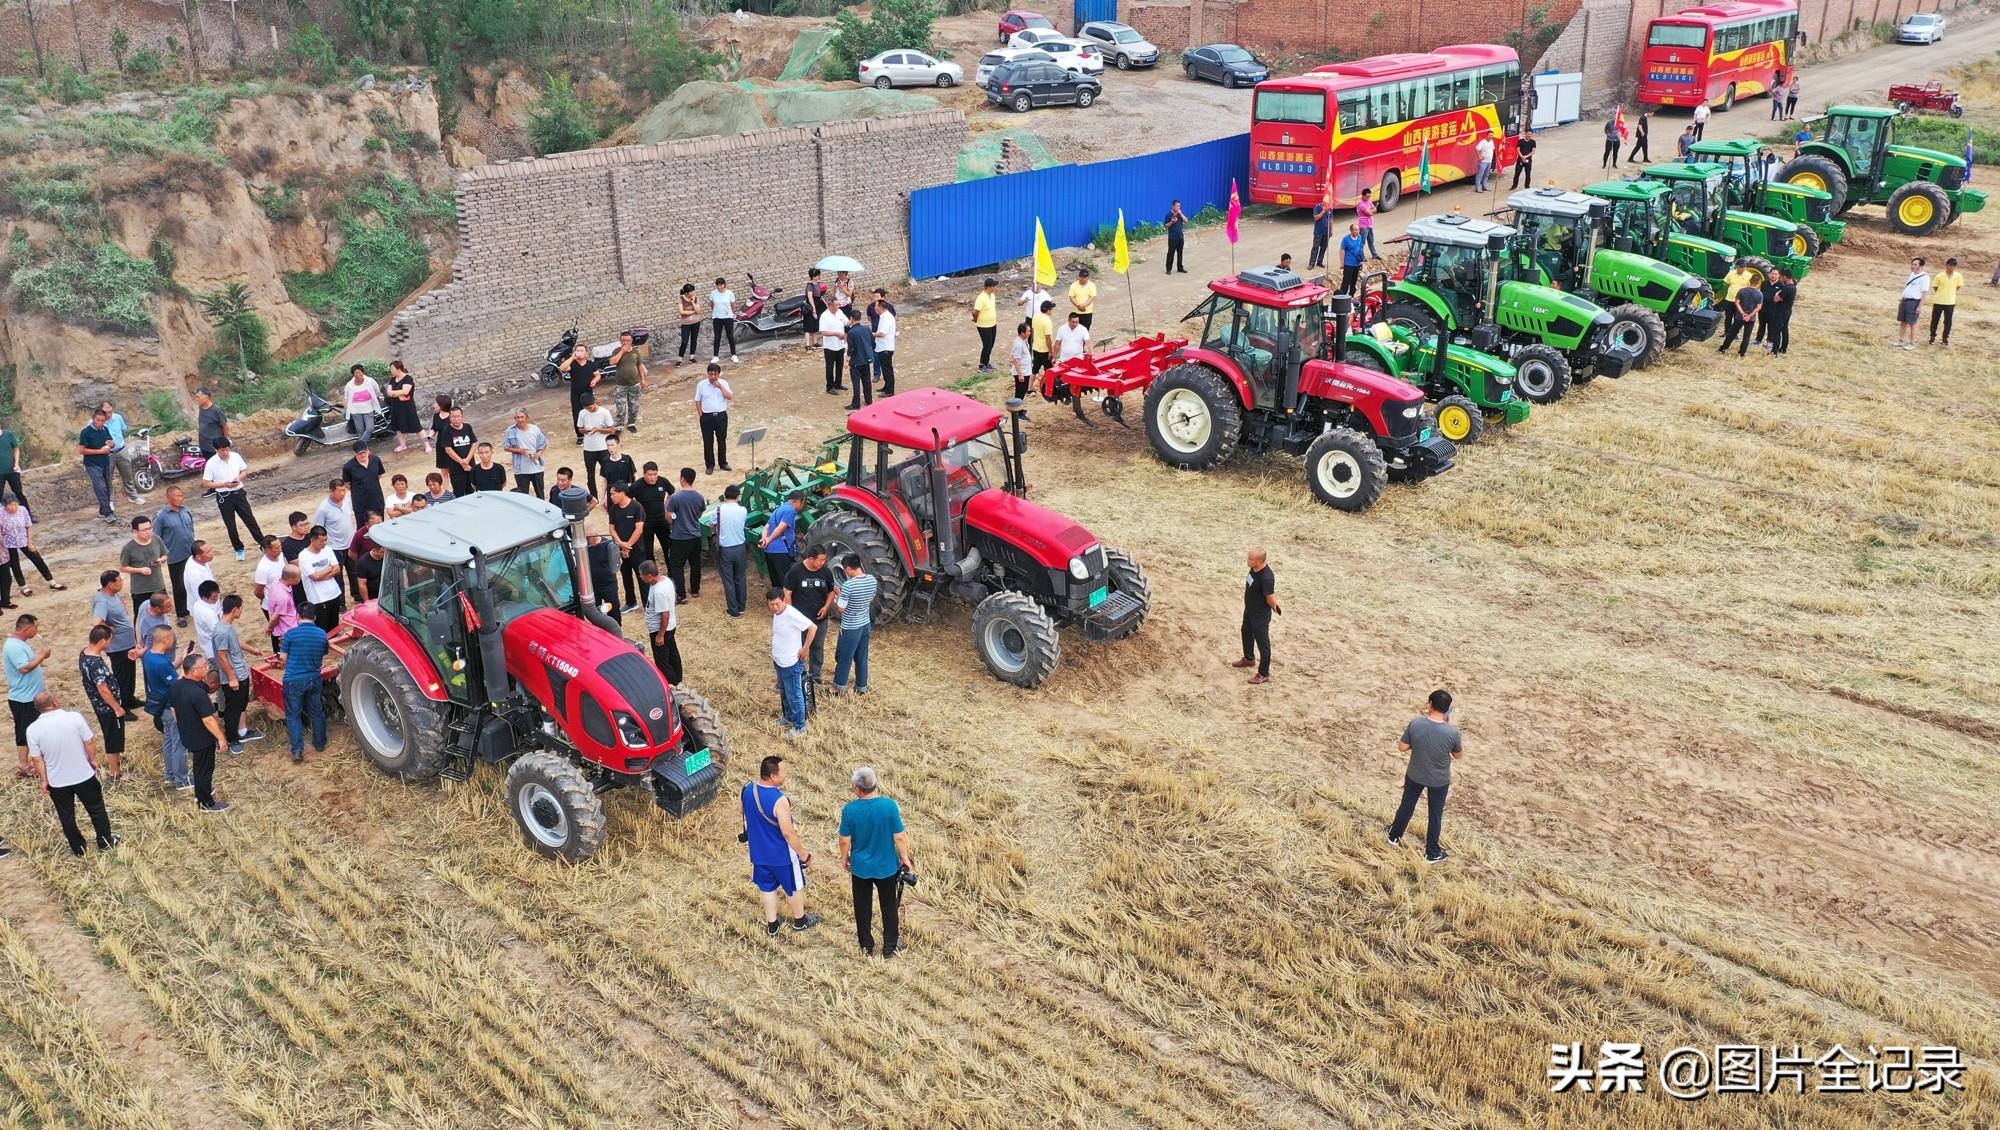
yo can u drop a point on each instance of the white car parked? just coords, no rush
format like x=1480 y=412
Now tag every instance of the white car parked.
x=993 y=59
x=1034 y=37
x=908 y=68
x=1924 y=27
x=1126 y=47
x=1079 y=55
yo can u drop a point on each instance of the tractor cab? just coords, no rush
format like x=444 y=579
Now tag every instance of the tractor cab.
x=1751 y=168
x=1269 y=321
x=1854 y=158
x=1459 y=259
x=1641 y=222
x=1557 y=235
x=1700 y=204
x=1863 y=134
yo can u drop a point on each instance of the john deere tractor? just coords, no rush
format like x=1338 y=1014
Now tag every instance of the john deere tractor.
x=1854 y=158
x=1751 y=188
x=1700 y=204
x=1452 y=284
x=1471 y=390
x=1564 y=242
x=1641 y=222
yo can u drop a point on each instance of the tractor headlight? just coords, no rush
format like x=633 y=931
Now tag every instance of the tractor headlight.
x=629 y=730
x=1412 y=413
x=1078 y=569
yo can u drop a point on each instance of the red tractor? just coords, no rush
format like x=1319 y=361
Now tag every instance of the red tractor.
x=1268 y=375
x=935 y=501
x=485 y=646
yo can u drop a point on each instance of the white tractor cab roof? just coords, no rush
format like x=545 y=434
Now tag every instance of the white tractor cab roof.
x=489 y=521
x=1461 y=231
x=1555 y=202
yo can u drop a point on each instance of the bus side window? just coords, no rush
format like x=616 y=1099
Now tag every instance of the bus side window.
x=1382 y=104
x=1416 y=97
x=1354 y=111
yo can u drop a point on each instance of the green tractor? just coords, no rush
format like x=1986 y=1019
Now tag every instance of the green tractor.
x=1752 y=189
x=766 y=488
x=1700 y=204
x=1451 y=284
x=1854 y=158
x=1564 y=242
x=1472 y=390
x=1641 y=222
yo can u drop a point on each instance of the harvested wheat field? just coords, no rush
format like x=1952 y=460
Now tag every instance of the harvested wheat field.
x=1722 y=636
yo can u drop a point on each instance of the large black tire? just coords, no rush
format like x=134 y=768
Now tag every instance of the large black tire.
x=1729 y=98
x=1016 y=639
x=1918 y=208
x=1414 y=315
x=1392 y=192
x=1818 y=172
x=1635 y=325
x=1346 y=470
x=1806 y=242
x=1761 y=267
x=1541 y=374
x=1460 y=420
x=559 y=814
x=1367 y=359
x=1128 y=578
x=399 y=730
x=1203 y=419
x=701 y=726
x=849 y=531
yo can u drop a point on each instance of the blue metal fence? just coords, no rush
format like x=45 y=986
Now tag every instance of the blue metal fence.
x=1090 y=11
x=959 y=227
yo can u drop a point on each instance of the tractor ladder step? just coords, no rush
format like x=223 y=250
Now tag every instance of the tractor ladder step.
x=458 y=769
x=922 y=603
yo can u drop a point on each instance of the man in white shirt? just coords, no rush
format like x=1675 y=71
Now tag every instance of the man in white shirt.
x=270 y=567
x=833 y=342
x=1915 y=289
x=65 y=757
x=1032 y=298
x=364 y=399
x=1485 y=171
x=1072 y=338
x=319 y=575
x=199 y=566
x=732 y=550
x=207 y=610
x=791 y=634
x=661 y=621
x=712 y=395
x=885 y=341
x=722 y=320
x=1022 y=359
x=224 y=475
x=1700 y=119
x=528 y=445
x=598 y=425
x=336 y=513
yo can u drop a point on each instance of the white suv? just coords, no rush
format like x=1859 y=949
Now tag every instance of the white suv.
x=1126 y=47
x=1080 y=55
x=994 y=58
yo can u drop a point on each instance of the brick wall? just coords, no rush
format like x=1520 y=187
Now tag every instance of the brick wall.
x=1595 y=43
x=609 y=235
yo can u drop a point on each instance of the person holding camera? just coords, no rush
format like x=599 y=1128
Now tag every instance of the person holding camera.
x=876 y=852
x=778 y=856
x=1433 y=743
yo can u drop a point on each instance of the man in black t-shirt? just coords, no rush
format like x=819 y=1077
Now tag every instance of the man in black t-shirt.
x=455 y=450
x=485 y=473
x=1260 y=600
x=628 y=525
x=616 y=466
x=200 y=731
x=1524 y=169
x=363 y=475
x=366 y=574
x=651 y=490
x=809 y=588
x=1748 y=301
x=684 y=537
x=1784 y=294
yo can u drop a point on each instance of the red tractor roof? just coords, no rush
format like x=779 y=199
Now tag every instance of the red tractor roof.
x=1290 y=292
x=908 y=419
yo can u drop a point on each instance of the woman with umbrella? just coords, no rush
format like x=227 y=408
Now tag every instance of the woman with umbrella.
x=842 y=296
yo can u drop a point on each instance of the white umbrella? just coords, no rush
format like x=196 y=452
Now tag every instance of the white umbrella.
x=840 y=263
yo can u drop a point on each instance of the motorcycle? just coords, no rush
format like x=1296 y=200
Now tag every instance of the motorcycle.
x=553 y=377
x=149 y=470
x=767 y=313
x=311 y=426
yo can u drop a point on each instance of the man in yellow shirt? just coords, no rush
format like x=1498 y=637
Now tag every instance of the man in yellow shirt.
x=1944 y=299
x=1083 y=297
x=985 y=316
x=1044 y=331
x=1732 y=282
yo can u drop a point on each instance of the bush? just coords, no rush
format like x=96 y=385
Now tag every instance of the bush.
x=145 y=64
x=98 y=286
x=891 y=23
x=312 y=52
x=381 y=260
x=560 y=122
x=165 y=409
x=71 y=86
x=666 y=59
x=243 y=335
x=1947 y=135
x=61 y=196
x=285 y=203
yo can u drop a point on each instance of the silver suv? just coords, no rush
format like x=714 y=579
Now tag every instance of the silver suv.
x=1125 y=47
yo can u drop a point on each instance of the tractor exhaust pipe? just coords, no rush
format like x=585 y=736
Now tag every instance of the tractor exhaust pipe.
x=947 y=538
x=575 y=504
x=1018 y=470
x=1343 y=309
x=492 y=649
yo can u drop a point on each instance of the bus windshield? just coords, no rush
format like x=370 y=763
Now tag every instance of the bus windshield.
x=1678 y=35
x=1305 y=107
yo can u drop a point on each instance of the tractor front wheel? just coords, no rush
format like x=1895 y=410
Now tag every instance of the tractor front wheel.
x=400 y=730
x=1806 y=243
x=1918 y=208
x=1814 y=171
x=1128 y=578
x=560 y=815
x=1459 y=420
x=701 y=726
x=1639 y=331
x=1016 y=639
x=1541 y=374
x=1345 y=469
x=1193 y=418
x=846 y=531
x=1761 y=267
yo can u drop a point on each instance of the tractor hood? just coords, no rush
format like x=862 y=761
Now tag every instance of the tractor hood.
x=1760 y=220
x=586 y=677
x=1930 y=155
x=1040 y=532
x=1543 y=301
x=1642 y=274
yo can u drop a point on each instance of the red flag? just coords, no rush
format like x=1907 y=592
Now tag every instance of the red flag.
x=1235 y=209
x=1623 y=133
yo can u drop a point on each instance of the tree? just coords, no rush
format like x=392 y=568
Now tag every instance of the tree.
x=190 y=15
x=34 y=38
x=76 y=30
x=380 y=23
x=560 y=122
x=667 y=60
x=237 y=325
x=120 y=43
x=892 y=23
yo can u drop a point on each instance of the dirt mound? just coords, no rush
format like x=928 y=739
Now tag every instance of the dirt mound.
x=703 y=109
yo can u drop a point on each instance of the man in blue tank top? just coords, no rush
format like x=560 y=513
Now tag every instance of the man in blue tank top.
x=778 y=857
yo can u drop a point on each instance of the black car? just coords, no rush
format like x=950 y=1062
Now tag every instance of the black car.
x=1225 y=63
x=1023 y=85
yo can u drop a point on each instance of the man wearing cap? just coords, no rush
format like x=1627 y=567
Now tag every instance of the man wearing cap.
x=1083 y=297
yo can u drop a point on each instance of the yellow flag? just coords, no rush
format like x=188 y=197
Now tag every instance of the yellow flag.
x=1121 y=251
x=1045 y=263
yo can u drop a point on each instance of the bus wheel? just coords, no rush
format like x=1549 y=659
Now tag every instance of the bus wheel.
x=1392 y=192
x=1729 y=99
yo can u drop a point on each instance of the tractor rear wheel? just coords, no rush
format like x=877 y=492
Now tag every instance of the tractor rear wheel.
x=1639 y=330
x=1806 y=242
x=1761 y=267
x=1345 y=469
x=1918 y=208
x=1814 y=171
x=1128 y=578
x=1541 y=374
x=1193 y=417
x=1459 y=420
x=701 y=726
x=400 y=730
x=560 y=815
x=1016 y=639
x=1415 y=317
x=849 y=531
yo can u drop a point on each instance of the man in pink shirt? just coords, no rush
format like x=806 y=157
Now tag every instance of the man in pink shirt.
x=280 y=607
x=1364 y=214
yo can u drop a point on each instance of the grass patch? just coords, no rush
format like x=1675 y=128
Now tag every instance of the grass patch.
x=165 y=409
x=382 y=259
x=62 y=195
x=96 y=285
x=1947 y=135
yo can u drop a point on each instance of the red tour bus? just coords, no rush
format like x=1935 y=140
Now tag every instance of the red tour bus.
x=1339 y=129
x=1717 y=52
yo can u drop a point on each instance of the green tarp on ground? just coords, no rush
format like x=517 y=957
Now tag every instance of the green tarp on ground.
x=982 y=154
x=704 y=109
x=806 y=53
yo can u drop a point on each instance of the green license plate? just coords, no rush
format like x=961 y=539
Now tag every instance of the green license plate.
x=1097 y=597
x=1425 y=436
x=696 y=762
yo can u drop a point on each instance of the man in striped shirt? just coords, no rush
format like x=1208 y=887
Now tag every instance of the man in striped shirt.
x=856 y=601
